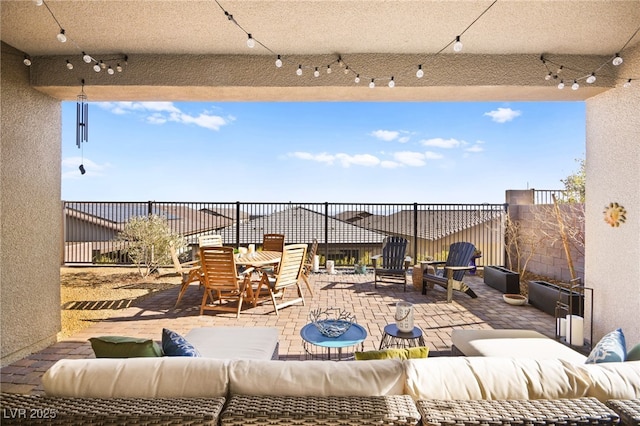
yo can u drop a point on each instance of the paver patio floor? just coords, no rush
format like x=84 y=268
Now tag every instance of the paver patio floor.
x=373 y=307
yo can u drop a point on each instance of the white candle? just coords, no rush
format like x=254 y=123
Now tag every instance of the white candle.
x=575 y=330
x=316 y=263
x=561 y=327
x=252 y=248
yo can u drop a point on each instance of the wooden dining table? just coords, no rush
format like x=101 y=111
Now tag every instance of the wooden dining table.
x=258 y=260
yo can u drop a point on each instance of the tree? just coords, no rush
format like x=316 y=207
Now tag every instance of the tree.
x=574 y=184
x=149 y=239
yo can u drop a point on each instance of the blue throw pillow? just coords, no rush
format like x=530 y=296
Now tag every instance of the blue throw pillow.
x=174 y=344
x=611 y=348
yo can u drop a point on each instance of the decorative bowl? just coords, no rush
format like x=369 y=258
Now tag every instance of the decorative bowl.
x=514 y=299
x=331 y=325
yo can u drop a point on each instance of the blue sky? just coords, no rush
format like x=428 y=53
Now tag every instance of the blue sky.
x=440 y=152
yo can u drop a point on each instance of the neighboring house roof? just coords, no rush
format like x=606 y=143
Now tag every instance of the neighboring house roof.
x=300 y=225
x=352 y=215
x=229 y=213
x=432 y=224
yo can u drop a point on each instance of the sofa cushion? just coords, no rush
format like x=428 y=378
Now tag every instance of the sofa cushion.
x=174 y=344
x=394 y=353
x=163 y=377
x=235 y=342
x=613 y=380
x=469 y=378
x=611 y=348
x=316 y=378
x=124 y=347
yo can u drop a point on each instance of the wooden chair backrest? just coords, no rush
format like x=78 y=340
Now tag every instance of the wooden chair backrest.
x=393 y=252
x=291 y=264
x=460 y=254
x=210 y=240
x=308 y=264
x=218 y=266
x=273 y=242
x=175 y=259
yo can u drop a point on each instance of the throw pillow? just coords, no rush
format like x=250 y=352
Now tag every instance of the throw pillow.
x=634 y=353
x=124 y=347
x=174 y=344
x=611 y=348
x=398 y=353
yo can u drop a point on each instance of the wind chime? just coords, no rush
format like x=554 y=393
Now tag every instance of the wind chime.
x=82 y=124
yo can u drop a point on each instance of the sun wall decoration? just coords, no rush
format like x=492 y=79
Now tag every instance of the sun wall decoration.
x=615 y=214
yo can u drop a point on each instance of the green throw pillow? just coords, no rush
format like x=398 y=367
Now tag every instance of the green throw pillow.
x=398 y=353
x=634 y=353
x=124 y=347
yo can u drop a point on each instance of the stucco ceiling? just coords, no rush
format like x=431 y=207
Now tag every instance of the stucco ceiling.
x=303 y=31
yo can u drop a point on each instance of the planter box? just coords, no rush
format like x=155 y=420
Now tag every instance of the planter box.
x=544 y=295
x=502 y=279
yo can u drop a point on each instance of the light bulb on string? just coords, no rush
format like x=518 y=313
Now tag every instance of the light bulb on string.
x=96 y=68
x=38 y=2
x=617 y=60
x=61 y=37
x=328 y=69
x=26 y=61
x=346 y=70
x=119 y=67
x=299 y=70
x=560 y=69
x=279 y=62
x=103 y=65
x=86 y=58
x=357 y=79
x=110 y=70
x=457 y=46
x=69 y=65
x=561 y=85
x=316 y=73
x=575 y=85
x=420 y=72
x=548 y=76
x=592 y=78
x=392 y=83
x=251 y=43
x=627 y=84
x=372 y=84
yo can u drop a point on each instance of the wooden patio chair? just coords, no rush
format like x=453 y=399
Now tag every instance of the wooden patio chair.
x=452 y=273
x=210 y=240
x=221 y=277
x=288 y=275
x=394 y=264
x=189 y=271
x=307 y=267
x=272 y=242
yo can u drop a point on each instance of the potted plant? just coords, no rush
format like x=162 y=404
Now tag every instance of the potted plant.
x=361 y=267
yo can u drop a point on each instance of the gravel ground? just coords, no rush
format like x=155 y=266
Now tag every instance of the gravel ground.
x=96 y=293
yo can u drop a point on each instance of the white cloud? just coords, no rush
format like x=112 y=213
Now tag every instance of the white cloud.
x=358 y=159
x=399 y=159
x=410 y=158
x=442 y=143
x=161 y=112
x=320 y=158
x=386 y=164
x=70 y=168
x=385 y=135
x=502 y=115
x=430 y=155
x=404 y=139
x=475 y=148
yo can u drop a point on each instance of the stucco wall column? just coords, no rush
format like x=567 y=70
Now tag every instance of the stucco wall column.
x=30 y=213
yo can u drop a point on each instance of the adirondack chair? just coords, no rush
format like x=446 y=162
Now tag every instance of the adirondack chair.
x=394 y=264
x=452 y=274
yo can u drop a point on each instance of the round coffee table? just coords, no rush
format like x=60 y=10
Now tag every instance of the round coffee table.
x=319 y=346
x=394 y=338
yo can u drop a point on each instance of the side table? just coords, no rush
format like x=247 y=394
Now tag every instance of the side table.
x=394 y=338
x=319 y=346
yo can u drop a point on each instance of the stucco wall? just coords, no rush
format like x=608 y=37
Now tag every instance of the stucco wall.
x=613 y=254
x=31 y=222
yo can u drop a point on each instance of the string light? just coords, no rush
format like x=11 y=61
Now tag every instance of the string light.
x=617 y=60
x=251 y=43
x=316 y=73
x=328 y=69
x=419 y=73
x=346 y=70
x=357 y=79
x=38 y=2
x=110 y=70
x=392 y=83
x=86 y=58
x=69 y=65
x=279 y=62
x=119 y=67
x=561 y=85
x=372 y=84
x=548 y=76
x=575 y=85
x=299 y=70
x=457 y=46
x=62 y=38
x=592 y=78
x=27 y=60
x=97 y=68
x=627 y=84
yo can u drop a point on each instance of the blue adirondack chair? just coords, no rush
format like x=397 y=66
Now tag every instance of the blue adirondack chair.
x=394 y=264
x=449 y=274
